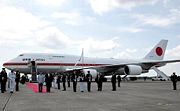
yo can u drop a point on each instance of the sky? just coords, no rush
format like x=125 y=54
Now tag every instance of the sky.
x=104 y=28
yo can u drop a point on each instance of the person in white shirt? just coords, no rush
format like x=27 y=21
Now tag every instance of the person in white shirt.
x=81 y=83
x=54 y=83
x=11 y=78
x=41 y=79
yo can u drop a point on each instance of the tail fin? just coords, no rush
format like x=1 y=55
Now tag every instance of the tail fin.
x=157 y=53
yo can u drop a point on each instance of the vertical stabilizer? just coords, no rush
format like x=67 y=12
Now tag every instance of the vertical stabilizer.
x=157 y=53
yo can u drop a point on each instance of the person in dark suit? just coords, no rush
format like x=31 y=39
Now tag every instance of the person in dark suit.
x=48 y=82
x=174 y=80
x=68 y=79
x=96 y=80
x=3 y=79
x=58 y=81
x=113 y=81
x=119 y=80
x=99 y=81
x=89 y=80
x=17 y=80
x=64 y=82
x=23 y=79
x=51 y=78
x=74 y=80
x=0 y=80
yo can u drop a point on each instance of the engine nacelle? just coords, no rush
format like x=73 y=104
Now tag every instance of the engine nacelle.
x=93 y=72
x=133 y=70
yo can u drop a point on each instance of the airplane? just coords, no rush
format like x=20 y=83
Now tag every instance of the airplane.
x=61 y=63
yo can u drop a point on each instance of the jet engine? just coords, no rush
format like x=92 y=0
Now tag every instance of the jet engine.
x=130 y=70
x=133 y=70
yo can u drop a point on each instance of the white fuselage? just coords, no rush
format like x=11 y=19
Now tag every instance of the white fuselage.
x=53 y=63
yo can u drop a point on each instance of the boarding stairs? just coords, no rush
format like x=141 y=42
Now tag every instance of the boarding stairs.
x=160 y=73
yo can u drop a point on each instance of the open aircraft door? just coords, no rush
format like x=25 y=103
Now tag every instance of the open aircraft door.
x=33 y=68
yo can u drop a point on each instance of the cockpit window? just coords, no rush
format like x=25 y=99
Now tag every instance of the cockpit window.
x=21 y=55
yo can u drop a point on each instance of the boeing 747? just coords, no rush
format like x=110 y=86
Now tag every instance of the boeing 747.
x=54 y=63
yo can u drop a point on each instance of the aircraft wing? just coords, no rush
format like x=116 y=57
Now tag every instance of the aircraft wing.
x=145 y=65
x=164 y=61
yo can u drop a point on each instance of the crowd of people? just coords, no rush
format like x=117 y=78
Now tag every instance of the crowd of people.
x=49 y=80
x=77 y=79
x=10 y=81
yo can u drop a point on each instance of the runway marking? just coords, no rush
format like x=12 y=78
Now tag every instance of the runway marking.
x=4 y=107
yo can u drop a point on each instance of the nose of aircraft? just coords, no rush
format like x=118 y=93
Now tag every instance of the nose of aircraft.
x=6 y=65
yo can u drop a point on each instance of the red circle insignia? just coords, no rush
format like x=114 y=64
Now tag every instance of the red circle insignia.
x=159 y=51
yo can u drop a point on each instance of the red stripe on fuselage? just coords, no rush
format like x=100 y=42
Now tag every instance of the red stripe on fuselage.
x=53 y=64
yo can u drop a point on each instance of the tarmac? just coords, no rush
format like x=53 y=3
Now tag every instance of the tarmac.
x=131 y=96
